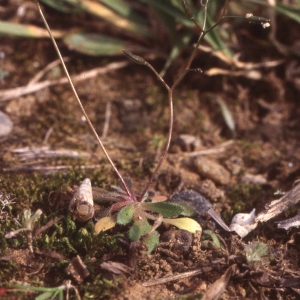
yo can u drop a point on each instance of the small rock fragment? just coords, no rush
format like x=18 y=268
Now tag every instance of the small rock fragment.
x=188 y=142
x=211 y=169
x=6 y=125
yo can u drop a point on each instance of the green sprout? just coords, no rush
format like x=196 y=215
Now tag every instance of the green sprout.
x=28 y=223
x=255 y=252
x=140 y=213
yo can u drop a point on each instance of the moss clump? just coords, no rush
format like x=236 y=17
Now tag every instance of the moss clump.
x=59 y=243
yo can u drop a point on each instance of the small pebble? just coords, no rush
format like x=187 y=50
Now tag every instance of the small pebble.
x=6 y=125
x=188 y=142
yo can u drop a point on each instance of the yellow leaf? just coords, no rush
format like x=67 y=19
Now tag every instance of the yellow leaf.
x=104 y=224
x=184 y=223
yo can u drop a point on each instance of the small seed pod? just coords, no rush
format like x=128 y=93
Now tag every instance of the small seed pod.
x=242 y=224
x=135 y=58
x=82 y=204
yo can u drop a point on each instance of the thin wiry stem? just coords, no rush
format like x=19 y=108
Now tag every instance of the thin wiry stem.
x=205 y=13
x=129 y=193
x=170 y=97
x=171 y=117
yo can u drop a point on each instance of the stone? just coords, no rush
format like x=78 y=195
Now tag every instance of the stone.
x=211 y=169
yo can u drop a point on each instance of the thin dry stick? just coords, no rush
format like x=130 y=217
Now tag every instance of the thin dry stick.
x=218 y=149
x=47 y=136
x=50 y=66
x=9 y=94
x=176 y=277
x=107 y=119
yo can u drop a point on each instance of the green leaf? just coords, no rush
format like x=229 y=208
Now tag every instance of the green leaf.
x=289 y=11
x=60 y=6
x=139 y=228
x=188 y=210
x=151 y=241
x=94 y=44
x=125 y=215
x=167 y=210
x=214 y=238
x=168 y=8
x=44 y=296
x=125 y=10
x=184 y=223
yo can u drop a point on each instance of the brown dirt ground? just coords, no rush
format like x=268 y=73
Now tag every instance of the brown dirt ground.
x=262 y=159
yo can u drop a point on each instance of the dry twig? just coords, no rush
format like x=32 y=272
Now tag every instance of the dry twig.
x=176 y=277
x=9 y=94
